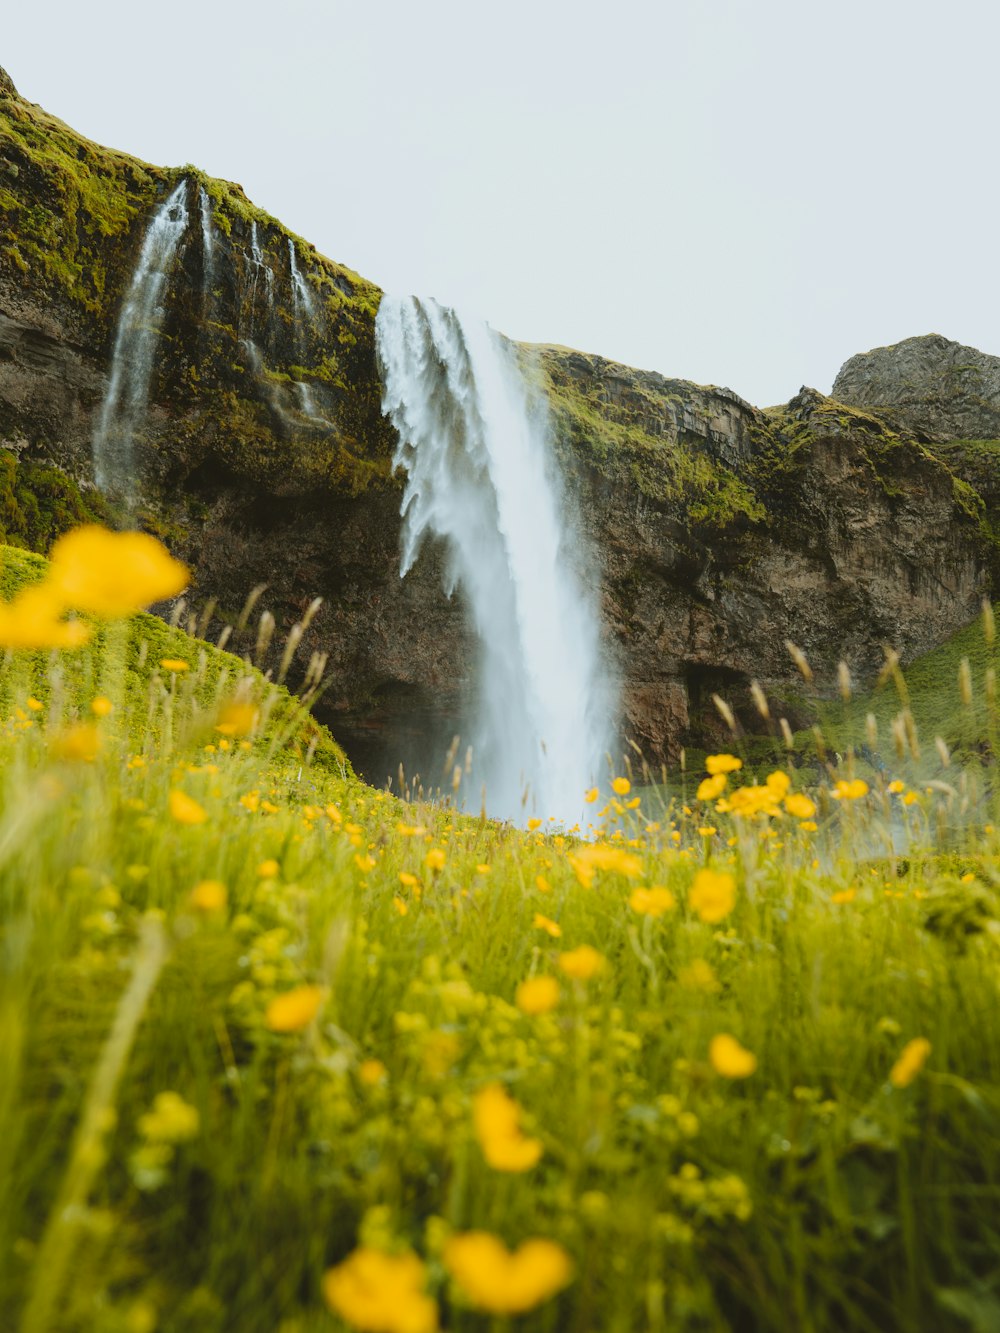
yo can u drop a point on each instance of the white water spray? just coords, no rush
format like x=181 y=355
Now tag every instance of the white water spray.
x=478 y=475
x=139 y=325
x=207 y=240
x=301 y=294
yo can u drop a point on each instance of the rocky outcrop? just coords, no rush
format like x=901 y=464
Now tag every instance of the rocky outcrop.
x=715 y=530
x=930 y=385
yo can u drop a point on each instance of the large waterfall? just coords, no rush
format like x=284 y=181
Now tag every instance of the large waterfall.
x=135 y=348
x=479 y=475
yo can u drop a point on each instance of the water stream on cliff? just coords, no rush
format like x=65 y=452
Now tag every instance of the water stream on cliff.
x=301 y=295
x=208 y=244
x=135 y=349
x=479 y=475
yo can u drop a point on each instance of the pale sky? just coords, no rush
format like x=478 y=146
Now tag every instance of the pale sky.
x=739 y=192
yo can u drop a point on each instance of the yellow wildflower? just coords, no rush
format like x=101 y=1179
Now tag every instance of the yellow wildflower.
x=911 y=1060
x=502 y=1282
x=621 y=786
x=113 y=574
x=294 y=1010
x=712 y=895
x=209 y=895
x=435 y=859
x=372 y=1072
x=723 y=763
x=655 y=901
x=401 y=905
x=843 y=896
x=896 y=787
x=778 y=783
x=582 y=963
x=591 y=796
x=185 y=809
x=533 y=824
x=729 y=1058
x=33 y=704
x=381 y=1293
x=537 y=995
x=710 y=789
x=237 y=719
x=33 y=620
x=175 y=664
x=407 y=880
x=172 y=1119
x=550 y=927
x=850 y=791
x=698 y=975
x=497 y=1120
x=598 y=856
x=101 y=707
x=800 y=806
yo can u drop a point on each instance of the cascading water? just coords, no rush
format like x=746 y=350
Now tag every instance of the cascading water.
x=258 y=265
x=301 y=295
x=135 y=349
x=479 y=476
x=207 y=242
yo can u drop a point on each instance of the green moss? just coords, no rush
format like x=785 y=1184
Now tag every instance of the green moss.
x=38 y=502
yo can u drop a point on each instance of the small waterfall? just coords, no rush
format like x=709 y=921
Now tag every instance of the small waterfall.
x=479 y=476
x=302 y=297
x=139 y=325
x=258 y=265
x=308 y=404
x=207 y=242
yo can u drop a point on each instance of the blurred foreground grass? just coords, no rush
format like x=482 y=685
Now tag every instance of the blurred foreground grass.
x=276 y=1049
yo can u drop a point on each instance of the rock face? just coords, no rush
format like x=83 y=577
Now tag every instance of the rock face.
x=714 y=530
x=938 y=388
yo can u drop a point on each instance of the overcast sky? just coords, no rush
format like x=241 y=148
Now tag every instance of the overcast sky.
x=740 y=192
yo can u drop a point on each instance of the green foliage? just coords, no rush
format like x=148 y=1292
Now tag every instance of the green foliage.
x=38 y=502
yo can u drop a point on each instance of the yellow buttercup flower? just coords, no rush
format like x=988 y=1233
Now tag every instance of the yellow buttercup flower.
x=591 y=796
x=621 y=786
x=435 y=859
x=598 y=856
x=583 y=963
x=209 y=896
x=800 y=806
x=497 y=1121
x=850 y=791
x=113 y=574
x=712 y=895
x=655 y=901
x=537 y=995
x=268 y=869
x=172 y=1119
x=78 y=743
x=237 y=720
x=294 y=1010
x=729 y=1058
x=710 y=789
x=175 y=664
x=494 y=1279
x=911 y=1060
x=381 y=1293
x=185 y=809
x=34 y=620
x=722 y=763
x=550 y=927
x=372 y=1072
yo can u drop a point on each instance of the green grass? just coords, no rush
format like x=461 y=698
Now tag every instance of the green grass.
x=812 y=1195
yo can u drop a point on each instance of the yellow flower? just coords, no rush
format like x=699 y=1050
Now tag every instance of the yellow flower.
x=33 y=620
x=655 y=901
x=712 y=788
x=237 y=720
x=175 y=664
x=101 y=707
x=112 y=574
x=185 y=809
x=494 y=1279
x=778 y=783
x=615 y=860
x=537 y=995
x=381 y=1293
x=712 y=895
x=850 y=791
x=621 y=786
x=407 y=880
x=698 y=975
x=33 y=704
x=583 y=963
x=400 y=904
x=533 y=824
x=896 y=786
x=172 y=1119
x=911 y=1060
x=550 y=927
x=497 y=1121
x=294 y=1010
x=843 y=896
x=729 y=1058
x=372 y=1072
x=591 y=796
x=483 y=869
x=209 y=896
x=269 y=869
x=79 y=742
x=723 y=763
x=364 y=863
x=435 y=859
x=799 y=806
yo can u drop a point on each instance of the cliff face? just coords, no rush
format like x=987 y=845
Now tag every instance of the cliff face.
x=716 y=530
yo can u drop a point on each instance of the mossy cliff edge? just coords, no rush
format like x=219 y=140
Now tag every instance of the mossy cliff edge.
x=716 y=530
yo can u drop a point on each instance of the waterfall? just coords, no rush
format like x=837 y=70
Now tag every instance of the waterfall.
x=139 y=325
x=301 y=295
x=479 y=476
x=207 y=242
x=259 y=265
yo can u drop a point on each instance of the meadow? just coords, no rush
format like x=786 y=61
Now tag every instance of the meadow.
x=283 y=1053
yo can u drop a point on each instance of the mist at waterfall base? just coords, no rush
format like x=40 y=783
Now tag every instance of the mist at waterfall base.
x=480 y=476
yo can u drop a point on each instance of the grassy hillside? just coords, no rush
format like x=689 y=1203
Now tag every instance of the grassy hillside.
x=280 y=1052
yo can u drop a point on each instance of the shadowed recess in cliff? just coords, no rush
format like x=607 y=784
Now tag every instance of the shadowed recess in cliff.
x=135 y=350
x=479 y=476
